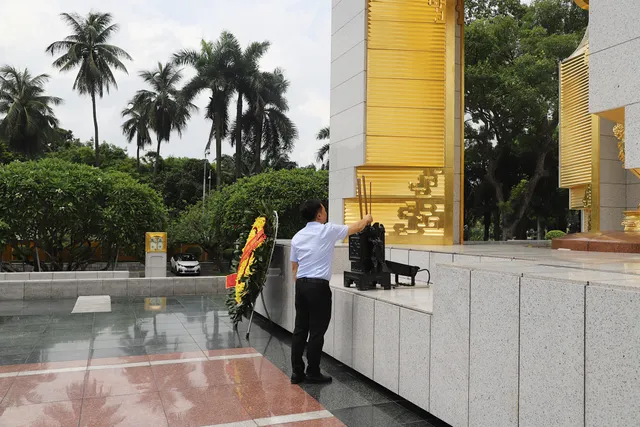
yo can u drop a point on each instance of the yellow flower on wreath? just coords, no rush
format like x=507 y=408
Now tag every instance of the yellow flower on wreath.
x=244 y=268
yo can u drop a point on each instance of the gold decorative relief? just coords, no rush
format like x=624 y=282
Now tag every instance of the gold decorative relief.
x=586 y=200
x=460 y=10
x=631 y=221
x=618 y=131
x=440 y=6
x=425 y=214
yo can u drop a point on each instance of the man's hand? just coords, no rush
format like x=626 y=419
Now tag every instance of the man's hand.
x=357 y=227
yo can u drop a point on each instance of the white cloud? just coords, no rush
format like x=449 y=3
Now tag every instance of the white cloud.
x=153 y=30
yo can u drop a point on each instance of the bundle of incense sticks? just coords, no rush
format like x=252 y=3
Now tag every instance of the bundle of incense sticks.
x=368 y=207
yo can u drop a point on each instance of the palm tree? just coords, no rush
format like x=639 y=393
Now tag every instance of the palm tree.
x=29 y=120
x=246 y=74
x=323 y=151
x=214 y=73
x=137 y=126
x=270 y=129
x=87 y=49
x=164 y=104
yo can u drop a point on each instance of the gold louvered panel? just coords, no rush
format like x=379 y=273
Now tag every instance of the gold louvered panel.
x=576 y=197
x=383 y=150
x=426 y=36
x=403 y=64
x=394 y=182
x=402 y=11
x=407 y=122
x=398 y=231
x=575 y=124
x=410 y=202
x=402 y=92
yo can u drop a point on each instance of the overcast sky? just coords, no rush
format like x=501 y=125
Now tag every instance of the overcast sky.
x=151 y=31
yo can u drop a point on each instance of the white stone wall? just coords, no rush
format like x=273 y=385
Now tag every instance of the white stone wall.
x=348 y=100
x=614 y=82
x=619 y=188
x=613 y=180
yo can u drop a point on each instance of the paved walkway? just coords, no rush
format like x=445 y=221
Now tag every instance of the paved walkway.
x=170 y=362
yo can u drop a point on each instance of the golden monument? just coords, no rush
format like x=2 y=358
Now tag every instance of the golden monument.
x=414 y=106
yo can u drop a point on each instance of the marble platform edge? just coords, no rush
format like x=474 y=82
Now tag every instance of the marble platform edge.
x=625 y=281
x=389 y=296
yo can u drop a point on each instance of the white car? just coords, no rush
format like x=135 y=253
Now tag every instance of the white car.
x=183 y=264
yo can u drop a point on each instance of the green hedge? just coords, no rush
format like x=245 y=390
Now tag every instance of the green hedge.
x=65 y=208
x=283 y=191
x=229 y=212
x=554 y=234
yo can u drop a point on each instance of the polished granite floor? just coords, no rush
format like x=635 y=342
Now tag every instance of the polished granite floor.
x=171 y=361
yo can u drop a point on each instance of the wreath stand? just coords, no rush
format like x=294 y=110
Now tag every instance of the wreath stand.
x=264 y=280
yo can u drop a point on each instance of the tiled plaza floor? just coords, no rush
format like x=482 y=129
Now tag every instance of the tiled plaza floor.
x=170 y=362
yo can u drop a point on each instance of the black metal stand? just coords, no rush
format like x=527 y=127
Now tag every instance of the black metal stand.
x=365 y=281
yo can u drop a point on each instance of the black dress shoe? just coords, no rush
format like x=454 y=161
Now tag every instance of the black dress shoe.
x=297 y=378
x=318 y=379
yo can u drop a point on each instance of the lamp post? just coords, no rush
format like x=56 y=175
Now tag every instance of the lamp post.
x=204 y=177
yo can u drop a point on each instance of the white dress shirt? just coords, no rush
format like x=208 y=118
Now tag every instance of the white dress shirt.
x=312 y=248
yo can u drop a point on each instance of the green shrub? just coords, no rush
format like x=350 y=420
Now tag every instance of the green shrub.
x=65 y=208
x=227 y=254
x=554 y=234
x=196 y=251
x=283 y=191
x=231 y=210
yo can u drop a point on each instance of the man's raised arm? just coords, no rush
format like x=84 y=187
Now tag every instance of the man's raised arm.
x=357 y=227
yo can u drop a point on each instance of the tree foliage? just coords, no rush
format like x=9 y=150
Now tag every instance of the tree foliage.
x=166 y=109
x=511 y=97
x=88 y=49
x=137 y=125
x=27 y=120
x=324 y=134
x=63 y=207
x=212 y=65
x=225 y=215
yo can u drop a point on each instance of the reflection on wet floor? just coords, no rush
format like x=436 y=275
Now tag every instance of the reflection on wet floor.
x=170 y=361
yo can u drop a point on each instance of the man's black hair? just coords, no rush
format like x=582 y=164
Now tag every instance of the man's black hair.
x=310 y=209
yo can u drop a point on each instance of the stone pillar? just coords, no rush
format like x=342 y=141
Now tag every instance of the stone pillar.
x=614 y=82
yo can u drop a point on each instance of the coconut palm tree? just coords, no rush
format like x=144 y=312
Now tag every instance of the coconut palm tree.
x=164 y=104
x=246 y=70
x=137 y=126
x=27 y=118
x=323 y=134
x=267 y=126
x=87 y=48
x=213 y=65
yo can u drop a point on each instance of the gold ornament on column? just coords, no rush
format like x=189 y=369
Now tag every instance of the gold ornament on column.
x=440 y=6
x=631 y=218
x=618 y=131
x=586 y=203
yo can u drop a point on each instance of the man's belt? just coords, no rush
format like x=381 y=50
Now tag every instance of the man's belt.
x=314 y=281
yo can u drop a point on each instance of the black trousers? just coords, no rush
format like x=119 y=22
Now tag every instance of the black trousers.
x=313 y=313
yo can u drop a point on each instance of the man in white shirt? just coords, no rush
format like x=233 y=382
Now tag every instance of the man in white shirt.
x=311 y=257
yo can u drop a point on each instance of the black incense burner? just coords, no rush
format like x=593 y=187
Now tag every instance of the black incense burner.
x=369 y=267
x=366 y=253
